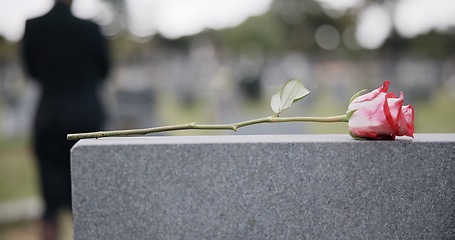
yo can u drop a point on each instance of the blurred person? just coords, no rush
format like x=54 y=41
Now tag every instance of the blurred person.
x=68 y=57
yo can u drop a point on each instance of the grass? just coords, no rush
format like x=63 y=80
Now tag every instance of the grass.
x=18 y=176
x=436 y=115
x=18 y=180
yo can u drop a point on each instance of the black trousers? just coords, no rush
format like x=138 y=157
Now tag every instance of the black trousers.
x=54 y=168
x=56 y=117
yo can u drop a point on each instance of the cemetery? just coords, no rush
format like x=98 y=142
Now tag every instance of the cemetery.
x=103 y=133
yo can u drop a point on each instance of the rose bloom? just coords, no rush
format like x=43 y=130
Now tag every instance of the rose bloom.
x=381 y=115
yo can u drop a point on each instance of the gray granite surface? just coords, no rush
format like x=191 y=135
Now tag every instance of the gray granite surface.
x=264 y=187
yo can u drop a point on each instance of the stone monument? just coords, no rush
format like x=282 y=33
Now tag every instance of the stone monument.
x=264 y=187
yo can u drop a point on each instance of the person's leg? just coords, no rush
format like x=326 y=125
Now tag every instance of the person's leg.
x=49 y=219
x=54 y=173
x=49 y=228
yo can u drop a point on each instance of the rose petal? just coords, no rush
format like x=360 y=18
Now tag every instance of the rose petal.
x=380 y=115
x=370 y=117
x=373 y=94
x=406 y=122
x=395 y=104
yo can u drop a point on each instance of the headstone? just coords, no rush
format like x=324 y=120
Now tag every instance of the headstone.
x=134 y=109
x=264 y=187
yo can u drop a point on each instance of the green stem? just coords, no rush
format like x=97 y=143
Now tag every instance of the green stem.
x=193 y=125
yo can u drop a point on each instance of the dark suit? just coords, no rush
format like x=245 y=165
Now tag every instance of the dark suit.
x=68 y=57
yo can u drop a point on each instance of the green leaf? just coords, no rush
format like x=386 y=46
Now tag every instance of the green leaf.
x=291 y=92
x=350 y=113
x=276 y=102
x=356 y=95
x=355 y=137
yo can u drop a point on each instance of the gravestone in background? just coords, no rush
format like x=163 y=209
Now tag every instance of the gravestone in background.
x=264 y=187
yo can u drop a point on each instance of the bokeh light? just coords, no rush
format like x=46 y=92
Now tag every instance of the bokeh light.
x=414 y=17
x=374 y=27
x=327 y=37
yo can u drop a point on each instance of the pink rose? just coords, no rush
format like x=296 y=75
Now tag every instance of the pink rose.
x=381 y=115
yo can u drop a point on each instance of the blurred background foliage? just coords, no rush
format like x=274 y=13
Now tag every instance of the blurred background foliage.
x=228 y=73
